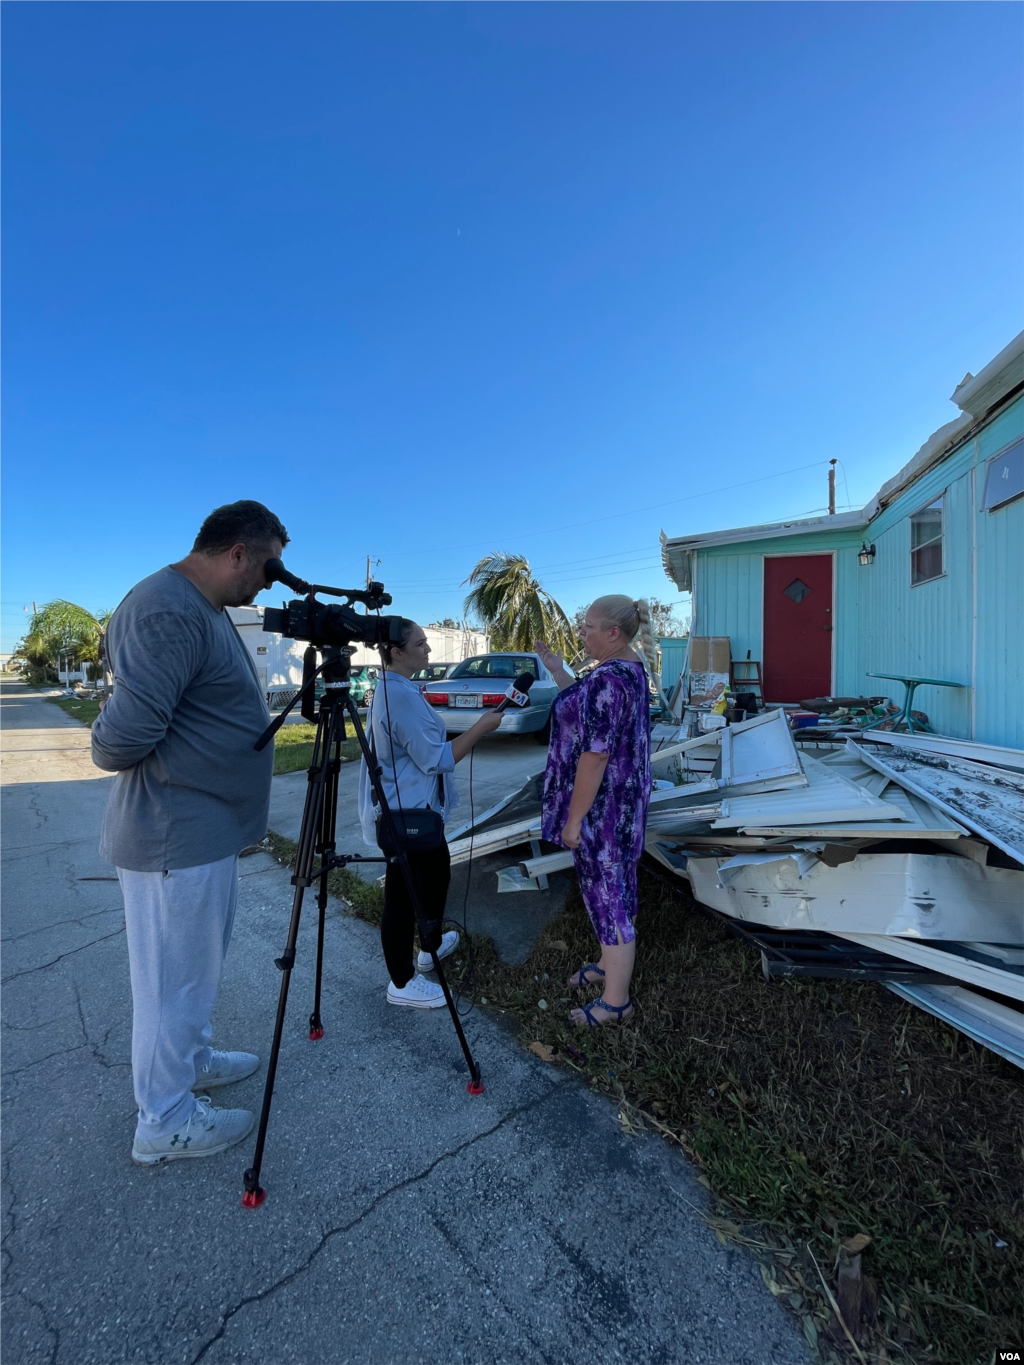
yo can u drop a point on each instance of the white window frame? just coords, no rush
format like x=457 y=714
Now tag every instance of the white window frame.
x=941 y=537
x=1005 y=502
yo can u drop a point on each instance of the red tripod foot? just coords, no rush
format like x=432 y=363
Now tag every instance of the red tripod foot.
x=252 y=1199
x=476 y=1086
x=315 y=1034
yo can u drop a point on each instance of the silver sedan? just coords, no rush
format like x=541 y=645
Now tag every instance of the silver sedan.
x=481 y=683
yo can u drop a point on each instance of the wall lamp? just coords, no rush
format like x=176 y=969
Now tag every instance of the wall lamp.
x=866 y=553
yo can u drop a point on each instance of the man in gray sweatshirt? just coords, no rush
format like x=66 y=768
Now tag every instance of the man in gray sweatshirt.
x=189 y=795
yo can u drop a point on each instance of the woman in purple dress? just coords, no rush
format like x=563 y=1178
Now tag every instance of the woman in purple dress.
x=596 y=791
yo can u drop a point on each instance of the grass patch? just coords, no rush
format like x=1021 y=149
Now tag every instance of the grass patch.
x=84 y=709
x=815 y=1110
x=293 y=748
x=365 y=899
x=293 y=745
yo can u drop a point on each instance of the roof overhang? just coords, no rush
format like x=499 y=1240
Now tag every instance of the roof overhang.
x=677 y=550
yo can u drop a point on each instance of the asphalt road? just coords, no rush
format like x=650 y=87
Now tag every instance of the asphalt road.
x=406 y=1221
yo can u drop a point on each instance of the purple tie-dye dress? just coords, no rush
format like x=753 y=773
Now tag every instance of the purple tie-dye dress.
x=605 y=712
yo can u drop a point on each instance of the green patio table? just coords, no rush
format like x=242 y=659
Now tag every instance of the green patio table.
x=911 y=685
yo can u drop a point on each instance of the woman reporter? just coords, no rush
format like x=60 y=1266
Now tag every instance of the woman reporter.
x=597 y=789
x=417 y=762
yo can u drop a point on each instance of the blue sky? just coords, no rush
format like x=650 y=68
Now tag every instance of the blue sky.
x=436 y=280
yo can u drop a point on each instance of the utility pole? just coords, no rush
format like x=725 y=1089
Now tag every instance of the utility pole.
x=832 y=487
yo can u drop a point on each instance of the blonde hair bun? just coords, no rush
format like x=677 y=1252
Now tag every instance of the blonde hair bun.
x=618 y=610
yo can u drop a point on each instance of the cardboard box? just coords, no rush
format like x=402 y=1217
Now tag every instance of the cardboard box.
x=710 y=654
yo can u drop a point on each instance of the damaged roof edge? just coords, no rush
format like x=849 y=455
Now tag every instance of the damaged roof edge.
x=977 y=393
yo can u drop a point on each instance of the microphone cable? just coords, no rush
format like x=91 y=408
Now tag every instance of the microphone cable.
x=467 y=981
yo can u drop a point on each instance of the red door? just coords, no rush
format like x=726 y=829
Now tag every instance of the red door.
x=797 y=627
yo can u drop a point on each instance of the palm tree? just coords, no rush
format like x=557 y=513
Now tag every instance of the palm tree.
x=515 y=608
x=61 y=628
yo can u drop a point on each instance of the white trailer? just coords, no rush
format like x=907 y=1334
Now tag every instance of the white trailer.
x=278 y=660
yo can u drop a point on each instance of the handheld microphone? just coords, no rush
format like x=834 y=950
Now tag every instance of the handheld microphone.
x=518 y=694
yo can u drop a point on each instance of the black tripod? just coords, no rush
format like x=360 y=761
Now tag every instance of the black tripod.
x=317 y=840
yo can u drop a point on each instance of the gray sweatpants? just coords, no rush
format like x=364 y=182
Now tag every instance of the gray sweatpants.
x=179 y=927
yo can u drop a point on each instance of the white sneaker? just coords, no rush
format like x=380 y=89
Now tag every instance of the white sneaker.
x=224 y=1068
x=420 y=994
x=207 y=1132
x=449 y=943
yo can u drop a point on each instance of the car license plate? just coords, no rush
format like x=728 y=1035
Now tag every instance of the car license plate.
x=466 y=699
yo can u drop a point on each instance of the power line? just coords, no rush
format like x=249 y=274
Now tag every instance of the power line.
x=634 y=511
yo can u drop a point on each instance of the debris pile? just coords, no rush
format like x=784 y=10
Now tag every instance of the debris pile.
x=893 y=857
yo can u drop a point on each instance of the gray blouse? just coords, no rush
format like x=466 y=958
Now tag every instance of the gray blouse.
x=412 y=750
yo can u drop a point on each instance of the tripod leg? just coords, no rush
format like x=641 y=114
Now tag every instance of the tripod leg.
x=326 y=849
x=254 y=1194
x=476 y=1085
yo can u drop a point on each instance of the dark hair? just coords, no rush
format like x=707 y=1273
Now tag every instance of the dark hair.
x=385 y=650
x=238 y=523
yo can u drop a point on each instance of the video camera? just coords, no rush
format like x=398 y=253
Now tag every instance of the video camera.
x=324 y=625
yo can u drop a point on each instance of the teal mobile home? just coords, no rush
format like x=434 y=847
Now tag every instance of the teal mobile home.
x=925 y=581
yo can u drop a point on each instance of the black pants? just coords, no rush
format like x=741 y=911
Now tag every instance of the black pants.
x=432 y=871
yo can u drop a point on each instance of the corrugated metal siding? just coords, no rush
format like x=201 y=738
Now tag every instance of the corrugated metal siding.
x=925 y=631
x=673 y=658
x=999 y=584
x=884 y=625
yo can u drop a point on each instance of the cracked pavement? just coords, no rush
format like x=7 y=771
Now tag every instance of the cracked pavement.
x=405 y=1222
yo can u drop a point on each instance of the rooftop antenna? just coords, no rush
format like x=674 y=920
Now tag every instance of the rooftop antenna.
x=832 y=487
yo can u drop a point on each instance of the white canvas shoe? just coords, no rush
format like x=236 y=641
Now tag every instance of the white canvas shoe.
x=449 y=943
x=224 y=1068
x=207 y=1132
x=419 y=994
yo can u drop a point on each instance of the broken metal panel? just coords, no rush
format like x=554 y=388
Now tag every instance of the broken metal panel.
x=758 y=750
x=921 y=820
x=494 y=840
x=995 y=1026
x=811 y=954
x=686 y=793
x=988 y=800
x=684 y=819
x=915 y=895
x=995 y=754
x=803 y=860
x=827 y=799
x=950 y=960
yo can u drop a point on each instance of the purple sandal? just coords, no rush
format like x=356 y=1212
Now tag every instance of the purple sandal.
x=580 y=981
x=618 y=1010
